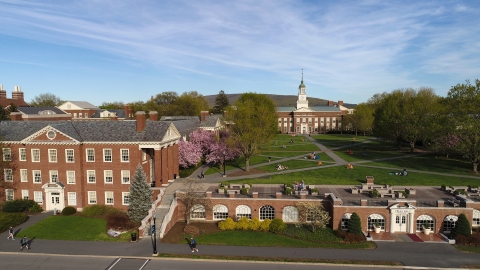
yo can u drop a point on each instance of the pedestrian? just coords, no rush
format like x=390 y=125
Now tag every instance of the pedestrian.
x=202 y=175
x=193 y=243
x=10 y=234
x=269 y=158
x=24 y=243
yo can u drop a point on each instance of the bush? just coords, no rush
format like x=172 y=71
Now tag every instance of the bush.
x=244 y=191
x=36 y=208
x=98 y=210
x=192 y=230
x=314 y=190
x=460 y=191
x=277 y=226
x=255 y=224
x=265 y=225
x=227 y=225
x=67 y=211
x=355 y=224
x=243 y=224
x=462 y=226
x=443 y=188
x=354 y=238
x=119 y=221
x=11 y=219
x=374 y=194
x=17 y=206
x=288 y=191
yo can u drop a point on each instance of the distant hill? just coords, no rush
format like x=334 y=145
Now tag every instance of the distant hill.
x=279 y=100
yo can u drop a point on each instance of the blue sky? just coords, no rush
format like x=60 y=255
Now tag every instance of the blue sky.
x=118 y=50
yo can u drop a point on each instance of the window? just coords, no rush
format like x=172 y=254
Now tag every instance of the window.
x=38 y=197
x=125 y=155
x=72 y=198
x=125 y=177
x=23 y=154
x=220 y=212
x=375 y=219
x=9 y=194
x=80 y=115
x=92 y=197
x=109 y=197
x=425 y=221
x=35 y=155
x=8 y=175
x=69 y=155
x=476 y=218
x=25 y=194
x=290 y=214
x=70 y=177
x=74 y=115
x=91 y=177
x=90 y=155
x=37 y=176
x=108 y=176
x=107 y=155
x=144 y=155
x=243 y=211
x=449 y=223
x=52 y=155
x=344 y=222
x=7 y=154
x=53 y=176
x=267 y=211
x=23 y=175
x=125 y=198
x=197 y=212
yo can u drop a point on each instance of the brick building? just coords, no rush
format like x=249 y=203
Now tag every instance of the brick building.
x=80 y=163
x=17 y=97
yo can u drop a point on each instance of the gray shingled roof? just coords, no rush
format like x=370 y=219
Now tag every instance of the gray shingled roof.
x=84 y=105
x=36 y=110
x=120 y=113
x=186 y=126
x=87 y=131
x=210 y=121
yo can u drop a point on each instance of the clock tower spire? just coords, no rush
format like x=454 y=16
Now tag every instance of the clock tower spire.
x=302 y=101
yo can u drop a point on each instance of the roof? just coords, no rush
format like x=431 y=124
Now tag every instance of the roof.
x=316 y=109
x=38 y=110
x=87 y=131
x=120 y=113
x=210 y=121
x=83 y=105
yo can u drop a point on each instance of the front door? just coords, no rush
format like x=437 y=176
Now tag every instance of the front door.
x=401 y=223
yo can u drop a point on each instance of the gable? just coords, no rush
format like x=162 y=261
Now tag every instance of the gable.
x=50 y=135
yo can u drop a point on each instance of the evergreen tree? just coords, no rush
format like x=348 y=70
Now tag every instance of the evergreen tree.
x=462 y=226
x=140 y=196
x=221 y=102
x=355 y=225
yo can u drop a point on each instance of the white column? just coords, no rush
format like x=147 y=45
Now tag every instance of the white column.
x=392 y=222
x=411 y=222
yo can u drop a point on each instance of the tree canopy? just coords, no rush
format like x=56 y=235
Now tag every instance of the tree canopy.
x=221 y=103
x=140 y=196
x=46 y=100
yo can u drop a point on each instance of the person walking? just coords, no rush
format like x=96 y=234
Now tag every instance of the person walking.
x=202 y=175
x=10 y=234
x=24 y=243
x=194 y=244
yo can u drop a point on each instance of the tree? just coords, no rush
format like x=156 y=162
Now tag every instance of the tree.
x=192 y=197
x=355 y=224
x=361 y=119
x=140 y=196
x=190 y=103
x=462 y=102
x=462 y=226
x=46 y=100
x=203 y=139
x=221 y=103
x=254 y=119
x=166 y=103
x=189 y=154
x=314 y=214
x=5 y=112
x=116 y=105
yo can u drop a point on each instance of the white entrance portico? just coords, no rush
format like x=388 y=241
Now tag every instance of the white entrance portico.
x=402 y=218
x=54 y=194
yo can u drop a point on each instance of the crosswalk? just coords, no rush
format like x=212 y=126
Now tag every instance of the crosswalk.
x=128 y=264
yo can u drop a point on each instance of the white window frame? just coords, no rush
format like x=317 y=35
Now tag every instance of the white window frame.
x=7 y=154
x=71 y=177
x=23 y=175
x=107 y=157
x=25 y=194
x=52 y=155
x=35 y=155
x=69 y=158
x=125 y=158
x=125 y=198
x=72 y=198
x=9 y=195
x=53 y=176
x=125 y=175
x=34 y=174
x=108 y=176
x=197 y=212
x=92 y=197
x=90 y=158
x=109 y=196
x=38 y=197
x=22 y=154
x=91 y=176
x=220 y=212
x=8 y=175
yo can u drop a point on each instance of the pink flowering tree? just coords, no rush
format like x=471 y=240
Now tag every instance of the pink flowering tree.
x=203 y=139
x=217 y=150
x=189 y=154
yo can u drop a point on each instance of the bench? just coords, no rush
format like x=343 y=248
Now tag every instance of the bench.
x=391 y=195
x=455 y=203
x=239 y=186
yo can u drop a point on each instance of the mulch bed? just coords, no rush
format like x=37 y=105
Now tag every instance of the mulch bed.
x=176 y=234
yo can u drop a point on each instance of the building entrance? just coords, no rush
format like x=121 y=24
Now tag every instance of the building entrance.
x=401 y=223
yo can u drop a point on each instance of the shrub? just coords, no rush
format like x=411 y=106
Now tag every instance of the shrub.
x=119 y=221
x=354 y=238
x=98 y=210
x=404 y=193
x=355 y=225
x=443 y=188
x=374 y=193
x=67 y=211
x=36 y=208
x=255 y=224
x=288 y=191
x=460 y=191
x=462 y=226
x=265 y=225
x=277 y=226
x=17 y=206
x=192 y=230
x=227 y=225
x=314 y=190
x=243 y=224
x=244 y=191
x=11 y=219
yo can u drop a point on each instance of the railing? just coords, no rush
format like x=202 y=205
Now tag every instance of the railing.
x=168 y=217
x=146 y=220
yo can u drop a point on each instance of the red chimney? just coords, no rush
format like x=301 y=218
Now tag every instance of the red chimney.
x=16 y=116
x=340 y=103
x=330 y=103
x=141 y=121
x=203 y=115
x=153 y=115
x=128 y=111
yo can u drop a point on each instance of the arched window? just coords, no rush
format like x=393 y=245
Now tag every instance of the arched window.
x=290 y=214
x=425 y=221
x=243 y=211
x=220 y=212
x=345 y=221
x=376 y=219
x=476 y=218
x=197 y=212
x=449 y=223
x=267 y=211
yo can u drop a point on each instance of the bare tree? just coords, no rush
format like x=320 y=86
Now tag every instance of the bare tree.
x=192 y=195
x=313 y=214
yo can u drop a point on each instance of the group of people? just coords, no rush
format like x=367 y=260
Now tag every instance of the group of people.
x=23 y=241
x=299 y=186
x=350 y=152
x=350 y=166
x=281 y=167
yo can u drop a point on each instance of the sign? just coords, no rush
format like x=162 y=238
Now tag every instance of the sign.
x=153 y=229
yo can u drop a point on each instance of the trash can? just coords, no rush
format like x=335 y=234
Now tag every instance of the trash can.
x=134 y=237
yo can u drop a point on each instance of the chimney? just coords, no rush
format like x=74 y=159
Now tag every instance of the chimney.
x=141 y=121
x=330 y=103
x=128 y=111
x=16 y=116
x=153 y=115
x=203 y=115
x=340 y=103
x=17 y=94
x=3 y=94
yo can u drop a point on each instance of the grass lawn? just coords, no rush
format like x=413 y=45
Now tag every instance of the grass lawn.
x=291 y=164
x=340 y=140
x=469 y=249
x=72 y=228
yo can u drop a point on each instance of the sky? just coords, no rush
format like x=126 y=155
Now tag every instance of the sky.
x=121 y=50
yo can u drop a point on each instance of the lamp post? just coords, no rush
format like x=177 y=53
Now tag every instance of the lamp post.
x=154 y=235
x=224 y=154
